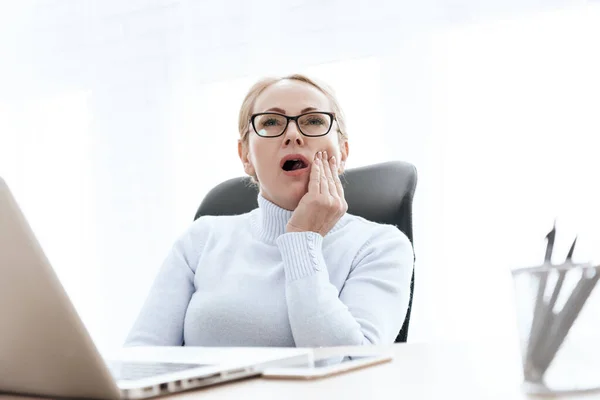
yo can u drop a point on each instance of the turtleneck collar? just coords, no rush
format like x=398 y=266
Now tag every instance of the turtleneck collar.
x=269 y=220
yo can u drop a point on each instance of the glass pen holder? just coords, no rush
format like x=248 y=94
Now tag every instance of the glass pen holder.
x=558 y=319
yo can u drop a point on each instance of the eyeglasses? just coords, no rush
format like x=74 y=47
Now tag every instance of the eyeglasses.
x=312 y=124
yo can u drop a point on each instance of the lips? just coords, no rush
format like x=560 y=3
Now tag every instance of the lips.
x=294 y=162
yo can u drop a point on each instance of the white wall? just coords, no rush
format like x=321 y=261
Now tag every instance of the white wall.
x=117 y=117
x=517 y=112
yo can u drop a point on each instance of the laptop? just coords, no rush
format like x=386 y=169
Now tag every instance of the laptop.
x=46 y=350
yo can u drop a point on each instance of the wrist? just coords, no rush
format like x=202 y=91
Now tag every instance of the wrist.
x=289 y=228
x=294 y=229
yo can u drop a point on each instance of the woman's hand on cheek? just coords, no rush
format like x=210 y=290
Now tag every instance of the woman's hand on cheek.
x=324 y=203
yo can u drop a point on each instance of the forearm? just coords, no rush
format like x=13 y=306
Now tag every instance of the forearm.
x=317 y=316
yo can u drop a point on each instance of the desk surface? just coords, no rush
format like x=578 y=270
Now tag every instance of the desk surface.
x=418 y=371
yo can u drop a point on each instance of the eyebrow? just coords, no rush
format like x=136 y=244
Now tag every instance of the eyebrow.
x=282 y=111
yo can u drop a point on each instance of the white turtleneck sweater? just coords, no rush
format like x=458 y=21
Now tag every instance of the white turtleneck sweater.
x=243 y=281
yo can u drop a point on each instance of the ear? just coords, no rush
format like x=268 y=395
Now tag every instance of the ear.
x=245 y=158
x=344 y=151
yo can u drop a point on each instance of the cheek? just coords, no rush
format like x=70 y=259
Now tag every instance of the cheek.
x=254 y=150
x=260 y=153
x=332 y=145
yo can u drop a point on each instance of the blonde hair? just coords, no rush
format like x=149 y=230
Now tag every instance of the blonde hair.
x=260 y=86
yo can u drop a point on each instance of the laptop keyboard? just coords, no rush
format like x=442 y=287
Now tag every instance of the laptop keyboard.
x=129 y=371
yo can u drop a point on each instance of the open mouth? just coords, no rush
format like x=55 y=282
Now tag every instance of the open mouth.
x=294 y=164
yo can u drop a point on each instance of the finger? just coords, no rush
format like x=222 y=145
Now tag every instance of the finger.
x=323 y=177
x=338 y=183
x=329 y=172
x=315 y=175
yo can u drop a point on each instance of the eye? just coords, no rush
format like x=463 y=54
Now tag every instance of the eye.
x=270 y=122
x=313 y=120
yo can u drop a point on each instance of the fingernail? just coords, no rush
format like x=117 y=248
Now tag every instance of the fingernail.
x=325 y=154
x=332 y=159
x=320 y=155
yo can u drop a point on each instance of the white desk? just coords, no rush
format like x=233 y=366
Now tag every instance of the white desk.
x=419 y=371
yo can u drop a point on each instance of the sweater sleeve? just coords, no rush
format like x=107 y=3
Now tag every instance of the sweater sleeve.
x=160 y=321
x=372 y=304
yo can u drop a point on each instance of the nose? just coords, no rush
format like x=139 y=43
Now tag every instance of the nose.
x=292 y=134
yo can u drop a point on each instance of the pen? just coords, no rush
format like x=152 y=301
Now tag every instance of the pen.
x=537 y=323
x=569 y=313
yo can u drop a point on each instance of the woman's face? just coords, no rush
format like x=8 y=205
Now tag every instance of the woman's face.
x=264 y=156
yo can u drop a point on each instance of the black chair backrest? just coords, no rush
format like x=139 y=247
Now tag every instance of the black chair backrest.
x=380 y=193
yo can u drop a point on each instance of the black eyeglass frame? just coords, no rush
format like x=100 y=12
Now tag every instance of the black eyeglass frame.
x=295 y=119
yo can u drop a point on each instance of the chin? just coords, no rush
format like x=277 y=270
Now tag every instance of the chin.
x=292 y=200
x=284 y=192
x=292 y=194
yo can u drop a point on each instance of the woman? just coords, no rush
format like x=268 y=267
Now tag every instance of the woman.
x=296 y=271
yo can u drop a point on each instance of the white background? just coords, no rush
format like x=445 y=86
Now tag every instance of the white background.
x=116 y=117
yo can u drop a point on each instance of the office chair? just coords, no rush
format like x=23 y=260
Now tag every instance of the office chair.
x=381 y=193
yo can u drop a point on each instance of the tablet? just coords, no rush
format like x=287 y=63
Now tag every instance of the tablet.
x=324 y=367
